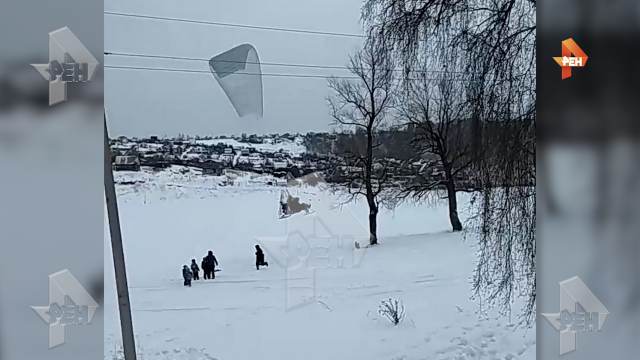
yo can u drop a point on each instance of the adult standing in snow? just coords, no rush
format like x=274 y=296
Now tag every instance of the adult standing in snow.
x=186 y=275
x=209 y=264
x=203 y=265
x=260 y=258
x=195 y=270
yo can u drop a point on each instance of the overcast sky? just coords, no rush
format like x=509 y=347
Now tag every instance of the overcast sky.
x=141 y=103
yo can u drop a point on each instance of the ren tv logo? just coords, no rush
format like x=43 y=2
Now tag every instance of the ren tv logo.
x=572 y=56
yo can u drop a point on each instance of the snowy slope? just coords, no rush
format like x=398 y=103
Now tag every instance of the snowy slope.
x=322 y=305
x=287 y=146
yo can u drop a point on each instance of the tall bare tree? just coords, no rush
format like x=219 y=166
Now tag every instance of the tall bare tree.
x=435 y=105
x=363 y=104
x=437 y=111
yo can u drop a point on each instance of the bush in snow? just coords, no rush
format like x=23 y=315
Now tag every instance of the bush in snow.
x=392 y=309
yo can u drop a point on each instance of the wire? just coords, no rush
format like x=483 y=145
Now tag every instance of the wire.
x=256 y=27
x=257 y=74
x=238 y=73
x=312 y=66
x=223 y=24
x=227 y=61
x=244 y=26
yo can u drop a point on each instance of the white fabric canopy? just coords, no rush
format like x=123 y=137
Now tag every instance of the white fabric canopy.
x=239 y=74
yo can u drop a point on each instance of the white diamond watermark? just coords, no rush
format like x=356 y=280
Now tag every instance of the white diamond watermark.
x=69 y=305
x=69 y=61
x=580 y=311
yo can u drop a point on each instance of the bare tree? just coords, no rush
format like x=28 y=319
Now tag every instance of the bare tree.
x=440 y=127
x=363 y=104
x=436 y=106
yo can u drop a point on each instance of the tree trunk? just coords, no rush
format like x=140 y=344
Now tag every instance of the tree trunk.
x=373 y=224
x=456 y=225
x=371 y=197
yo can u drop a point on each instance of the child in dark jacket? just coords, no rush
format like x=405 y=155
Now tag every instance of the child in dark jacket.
x=195 y=270
x=187 y=275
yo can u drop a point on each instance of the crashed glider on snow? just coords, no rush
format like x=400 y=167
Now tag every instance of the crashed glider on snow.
x=238 y=73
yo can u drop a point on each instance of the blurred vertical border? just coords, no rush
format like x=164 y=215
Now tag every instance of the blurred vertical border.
x=51 y=192
x=589 y=171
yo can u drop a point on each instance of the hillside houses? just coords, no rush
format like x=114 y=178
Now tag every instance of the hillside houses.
x=281 y=156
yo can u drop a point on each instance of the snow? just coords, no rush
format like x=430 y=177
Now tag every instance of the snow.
x=319 y=297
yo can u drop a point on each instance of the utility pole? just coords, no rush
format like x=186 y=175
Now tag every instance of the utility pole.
x=124 y=306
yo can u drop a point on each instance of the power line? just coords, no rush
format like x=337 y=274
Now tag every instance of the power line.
x=238 y=73
x=335 y=67
x=243 y=26
x=311 y=66
x=258 y=74
x=255 y=27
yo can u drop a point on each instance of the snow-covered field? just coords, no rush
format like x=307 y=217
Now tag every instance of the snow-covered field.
x=319 y=297
x=287 y=146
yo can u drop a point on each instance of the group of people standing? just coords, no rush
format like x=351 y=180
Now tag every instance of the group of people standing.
x=209 y=264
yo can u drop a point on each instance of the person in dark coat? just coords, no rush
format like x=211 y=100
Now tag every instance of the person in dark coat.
x=209 y=264
x=195 y=270
x=260 y=258
x=205 y=272
x=187 y=275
